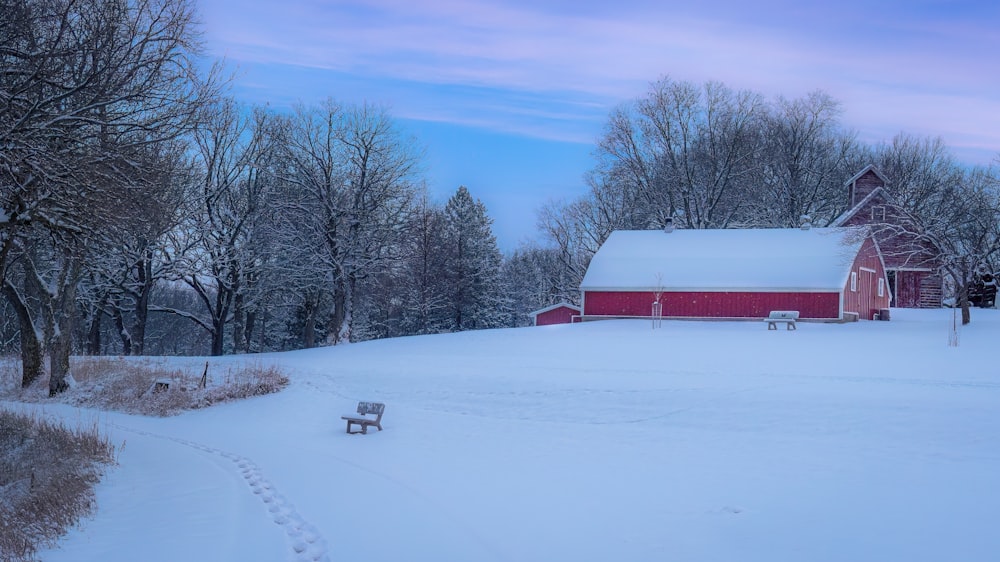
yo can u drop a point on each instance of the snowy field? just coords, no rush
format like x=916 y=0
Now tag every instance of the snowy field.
x=606 y=441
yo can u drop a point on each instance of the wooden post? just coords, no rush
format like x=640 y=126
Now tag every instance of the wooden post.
x=204 y=377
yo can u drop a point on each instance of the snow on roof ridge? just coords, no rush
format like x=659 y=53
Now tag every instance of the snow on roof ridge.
x=717 y=259
x=555 y=306
x=865 y=170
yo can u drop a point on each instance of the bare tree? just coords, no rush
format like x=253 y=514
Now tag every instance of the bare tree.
x=707 y=141
x=422 y=285
x=222 y=246
x=86 y=84
x=919 y=170
x=128 y=259
x=355 y=172
x=808 y=155
x=962 y=221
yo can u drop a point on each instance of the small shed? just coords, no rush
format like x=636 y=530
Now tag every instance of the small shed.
x=560 y=313
x=824 y=273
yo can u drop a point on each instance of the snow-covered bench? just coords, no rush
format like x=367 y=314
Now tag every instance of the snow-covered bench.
x=777 y=316
x=362 y=419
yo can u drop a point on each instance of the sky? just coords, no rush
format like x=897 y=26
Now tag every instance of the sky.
x=509 y=98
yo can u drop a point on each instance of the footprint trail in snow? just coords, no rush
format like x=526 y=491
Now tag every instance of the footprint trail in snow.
x=308 y=545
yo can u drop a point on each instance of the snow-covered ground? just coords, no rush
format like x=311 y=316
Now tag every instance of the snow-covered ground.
x=698 y=441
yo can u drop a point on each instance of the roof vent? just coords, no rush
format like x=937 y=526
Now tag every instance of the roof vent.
x=668 y=225
x=805 y=222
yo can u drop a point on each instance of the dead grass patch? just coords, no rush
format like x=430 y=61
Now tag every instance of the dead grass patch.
x=48 y=471
x=147 y=387
x=47 y=475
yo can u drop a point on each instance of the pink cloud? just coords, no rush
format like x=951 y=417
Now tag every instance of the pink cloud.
x=900 y=72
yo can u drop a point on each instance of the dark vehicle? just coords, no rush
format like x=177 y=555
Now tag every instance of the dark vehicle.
x=983 y=292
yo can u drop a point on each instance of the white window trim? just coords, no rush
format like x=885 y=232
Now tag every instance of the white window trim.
x=854 y=281
x=881 y=287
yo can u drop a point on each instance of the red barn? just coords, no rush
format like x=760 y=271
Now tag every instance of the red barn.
x=824 y=273
x=561 y=313
x=913 y=268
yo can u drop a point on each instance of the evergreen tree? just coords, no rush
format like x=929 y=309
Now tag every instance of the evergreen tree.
x=472 y=265
x=533 y=280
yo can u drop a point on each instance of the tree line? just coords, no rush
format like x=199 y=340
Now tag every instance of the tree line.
x=708 y=156
x=144 y=212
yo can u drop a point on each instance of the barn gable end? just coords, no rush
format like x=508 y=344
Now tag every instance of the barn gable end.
x=560 y=313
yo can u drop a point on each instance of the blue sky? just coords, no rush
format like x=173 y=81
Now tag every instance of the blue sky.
x=508 y=98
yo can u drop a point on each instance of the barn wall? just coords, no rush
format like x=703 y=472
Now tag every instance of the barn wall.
x=865 y=300
x=903 y=253
x=711 y=304
x=561 y=315
x=863 y=186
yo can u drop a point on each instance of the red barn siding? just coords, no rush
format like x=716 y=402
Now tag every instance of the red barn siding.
x=865 y=300
x=864 y=186
x=561 y=315
x=711 y=304
x=913 y=261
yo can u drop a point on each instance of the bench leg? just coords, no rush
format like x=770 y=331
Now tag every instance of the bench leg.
x=772 y=326
x=791 y=326
x=364 y=428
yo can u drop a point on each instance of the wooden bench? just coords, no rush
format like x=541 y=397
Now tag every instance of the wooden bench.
x=777 y=316
x=365 y=408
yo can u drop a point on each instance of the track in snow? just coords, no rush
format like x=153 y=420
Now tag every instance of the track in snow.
x=307 y=544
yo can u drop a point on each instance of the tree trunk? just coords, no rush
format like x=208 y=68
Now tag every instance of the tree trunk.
x=248 y=331
x=239 y=325
x=64 y=310
x=338 y=315
x=964 y=299
x=218 y=335
x=94 y=332
x=123 y=333
x=31 y=345
x=141 y=318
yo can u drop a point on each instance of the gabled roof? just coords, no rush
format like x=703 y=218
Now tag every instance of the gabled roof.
x=555 y=306
x=769 y=260
x=865 y=170
x=879 y=193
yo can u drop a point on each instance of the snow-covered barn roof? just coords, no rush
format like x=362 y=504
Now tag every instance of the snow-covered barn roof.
x=776 y=259
x=555 y=306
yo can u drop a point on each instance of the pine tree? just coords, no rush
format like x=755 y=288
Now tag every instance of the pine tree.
x=472 y=265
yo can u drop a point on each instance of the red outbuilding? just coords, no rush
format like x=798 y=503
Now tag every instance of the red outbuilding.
x=913 y=265
x=832 y=274
x=561 y=313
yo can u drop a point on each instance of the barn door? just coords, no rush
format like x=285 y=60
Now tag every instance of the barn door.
x=907 y=289
x=866 y=286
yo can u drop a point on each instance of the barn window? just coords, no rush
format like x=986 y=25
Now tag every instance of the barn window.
x=881 y=287
x=854 y=281
x=878 y=213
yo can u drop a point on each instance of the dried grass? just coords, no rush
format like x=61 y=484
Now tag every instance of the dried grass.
x=144 y=386
x=47 y=471
x=47 y=474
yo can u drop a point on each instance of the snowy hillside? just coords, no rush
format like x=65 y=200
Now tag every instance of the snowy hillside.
x=698 y=441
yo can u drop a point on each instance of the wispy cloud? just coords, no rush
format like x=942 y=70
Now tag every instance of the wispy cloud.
x=543 y=69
